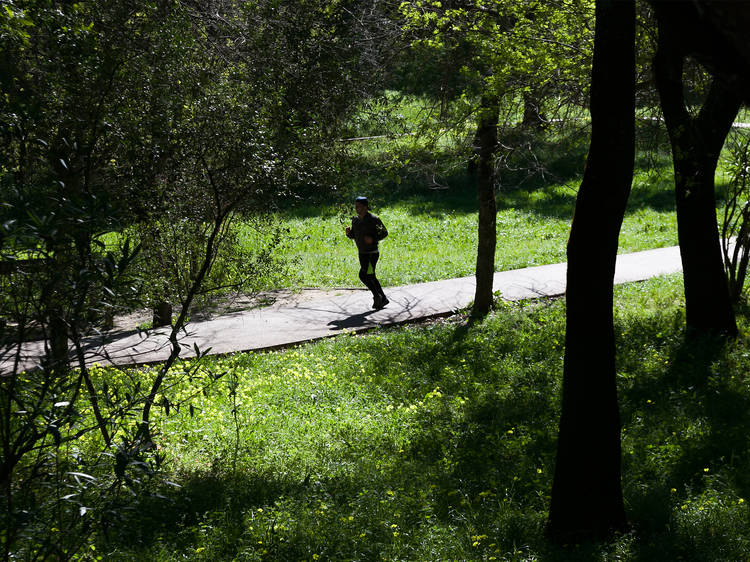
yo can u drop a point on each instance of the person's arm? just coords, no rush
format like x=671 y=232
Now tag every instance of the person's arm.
x=380 y=230
x=350 y=231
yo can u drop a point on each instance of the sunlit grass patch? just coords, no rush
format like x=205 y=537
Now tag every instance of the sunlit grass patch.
x=427 y=199
x=434 y=236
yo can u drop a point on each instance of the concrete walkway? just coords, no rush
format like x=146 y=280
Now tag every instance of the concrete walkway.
x=273 y=327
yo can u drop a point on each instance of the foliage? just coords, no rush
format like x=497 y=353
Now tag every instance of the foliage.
x=526 y=44
x=132 y=134
x=735 y=227
x=48 y=294
x=171 y=251
x=529 y=56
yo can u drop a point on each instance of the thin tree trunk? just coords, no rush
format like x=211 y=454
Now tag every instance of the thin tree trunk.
x=696 y=145
x=58 y=343
x=586 y=491
x=53 y=299
x=532 y=111
x=487 y=239
x=220 y=223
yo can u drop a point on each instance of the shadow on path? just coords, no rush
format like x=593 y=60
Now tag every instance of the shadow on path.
x=354 y=321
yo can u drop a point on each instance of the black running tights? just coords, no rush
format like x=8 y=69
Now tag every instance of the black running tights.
x=367 y=264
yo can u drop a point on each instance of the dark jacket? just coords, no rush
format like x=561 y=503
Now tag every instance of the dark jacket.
x=369 y=225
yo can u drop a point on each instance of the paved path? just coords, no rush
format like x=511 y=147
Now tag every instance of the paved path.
x=272 y=327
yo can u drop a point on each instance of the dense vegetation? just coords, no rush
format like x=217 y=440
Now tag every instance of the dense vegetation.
x=157 y=153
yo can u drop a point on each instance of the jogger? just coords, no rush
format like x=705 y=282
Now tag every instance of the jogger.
x=367 y=230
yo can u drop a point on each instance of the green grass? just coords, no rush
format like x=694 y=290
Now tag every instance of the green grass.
x=433 y=235
x=433 y=232
x=434 y=442
x=437 y=442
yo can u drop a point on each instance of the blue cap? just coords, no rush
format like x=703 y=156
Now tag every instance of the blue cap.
x=362 y=199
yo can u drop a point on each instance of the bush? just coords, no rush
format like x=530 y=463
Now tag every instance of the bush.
x=736 y=221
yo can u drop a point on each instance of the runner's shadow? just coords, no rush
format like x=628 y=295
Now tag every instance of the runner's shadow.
x=354 y=321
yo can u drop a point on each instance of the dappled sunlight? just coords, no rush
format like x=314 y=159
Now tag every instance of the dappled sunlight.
x=439 y=439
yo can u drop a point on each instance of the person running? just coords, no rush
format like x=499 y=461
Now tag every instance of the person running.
x=367 y=230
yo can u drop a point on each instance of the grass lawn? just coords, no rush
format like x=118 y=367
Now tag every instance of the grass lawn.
x=437 y=442
x=433 y=234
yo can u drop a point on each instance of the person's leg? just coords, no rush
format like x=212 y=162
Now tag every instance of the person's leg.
x=380 y=299
x=371 y=273
x=364 y=275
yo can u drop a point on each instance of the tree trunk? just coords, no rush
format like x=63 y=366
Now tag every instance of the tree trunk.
x=58 y=352
x=532 y=111
x=586 y=492
x=162 y=314
x=696 y=145
x=53 y=299
x=487 y=238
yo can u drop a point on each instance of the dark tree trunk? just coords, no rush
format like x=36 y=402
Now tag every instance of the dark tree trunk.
x=58 y=353
x=486 y=146
x=53 y=299
x=696 y=145
x=586 y=492
x=162 y=314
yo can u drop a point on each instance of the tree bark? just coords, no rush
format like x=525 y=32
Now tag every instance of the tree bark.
x=586 y=492
x=487 y=236
x=696 y=145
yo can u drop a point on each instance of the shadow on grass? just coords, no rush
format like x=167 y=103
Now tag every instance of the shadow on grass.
x=478 y=464
x=691 y=420
x=529 y=166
